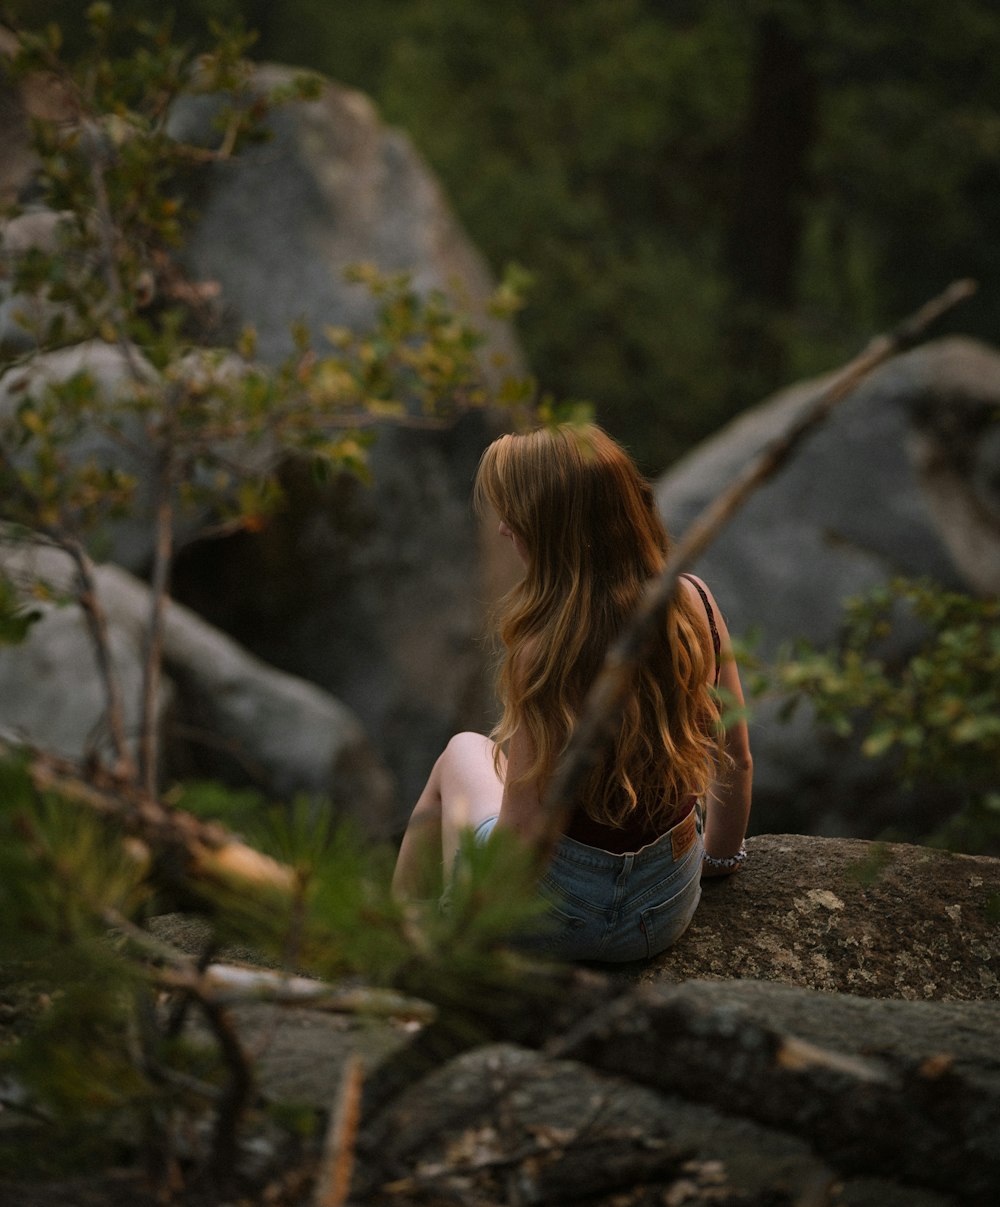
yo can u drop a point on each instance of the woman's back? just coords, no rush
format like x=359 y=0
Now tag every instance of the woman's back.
x=592 y=539
x=624 y=879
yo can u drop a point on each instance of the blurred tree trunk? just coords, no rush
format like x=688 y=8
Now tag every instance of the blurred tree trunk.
x=765 y=234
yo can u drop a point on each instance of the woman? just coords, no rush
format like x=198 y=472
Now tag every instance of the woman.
x=624 y=880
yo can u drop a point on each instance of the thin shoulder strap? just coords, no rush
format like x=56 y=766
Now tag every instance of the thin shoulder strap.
x=709 y=612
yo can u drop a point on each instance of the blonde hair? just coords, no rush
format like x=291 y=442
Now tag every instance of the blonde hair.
x=593 y=538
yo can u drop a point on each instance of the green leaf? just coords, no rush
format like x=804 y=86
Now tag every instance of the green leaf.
x=16 y=618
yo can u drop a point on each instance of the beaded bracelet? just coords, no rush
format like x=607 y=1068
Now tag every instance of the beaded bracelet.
x=729 y=864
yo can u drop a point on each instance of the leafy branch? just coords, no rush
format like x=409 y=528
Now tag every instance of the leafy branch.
x=934 y=711
x=203 y=429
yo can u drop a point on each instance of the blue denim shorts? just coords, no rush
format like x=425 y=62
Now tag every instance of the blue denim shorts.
x=615 y=908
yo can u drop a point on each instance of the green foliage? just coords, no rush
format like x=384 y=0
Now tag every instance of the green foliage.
x=92 y=1060
x=616 y=146
x=935 y=712
x=91 y=1066
x=566 y=135
x=116 y=178
x=341 y=920
x=16 y=619
x=112 y=170
x=619 y=148
x=64 y=879
x=202 y=429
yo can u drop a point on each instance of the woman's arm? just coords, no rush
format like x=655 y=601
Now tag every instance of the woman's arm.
x=728 y=804
x=521 y=807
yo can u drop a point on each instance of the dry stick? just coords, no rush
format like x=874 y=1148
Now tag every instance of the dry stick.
x=106 y=239
x=333 y=1180
x=159 y=587
x=97 y=622
x=164 y=516
x=602 y=706
x=237 y=1093
x=198 y=850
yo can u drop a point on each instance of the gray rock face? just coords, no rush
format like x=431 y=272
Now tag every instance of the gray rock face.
x=333 y=187
x=222 y=711
x=50 y=691
x=23 y=316
x=901 y=480
x=372 y=594
x=824 y=1032
x=375 y=594
x=843 y=915
x=128 y=541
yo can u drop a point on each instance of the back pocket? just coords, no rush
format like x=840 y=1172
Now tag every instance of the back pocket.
x=558 y=929
x=664 y=924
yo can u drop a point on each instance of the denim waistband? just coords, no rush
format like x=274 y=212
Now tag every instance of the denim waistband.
x=594 y=857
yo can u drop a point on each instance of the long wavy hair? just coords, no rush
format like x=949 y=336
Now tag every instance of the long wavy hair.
x=593 y=538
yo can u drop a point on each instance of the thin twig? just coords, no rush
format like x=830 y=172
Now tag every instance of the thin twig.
x=436 y=1178
x=229 y=985
x=613 y=684
x=158 y=591
x=236 y=1095
x=106 y=231
x=97 y=622
x=177 y=1015
x=336 y=1164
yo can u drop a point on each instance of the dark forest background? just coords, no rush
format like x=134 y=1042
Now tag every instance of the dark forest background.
x=715 y=198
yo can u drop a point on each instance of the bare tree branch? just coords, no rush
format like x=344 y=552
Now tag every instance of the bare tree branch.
x=337 y=1160
x=601 y=708
x=194 y=850
x=159 y=589
x=236 y=1095
x=97 y=622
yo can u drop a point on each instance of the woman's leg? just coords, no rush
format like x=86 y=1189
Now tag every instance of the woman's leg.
x=462 y=791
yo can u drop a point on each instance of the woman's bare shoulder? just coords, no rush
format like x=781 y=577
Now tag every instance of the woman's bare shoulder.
x=691 y=582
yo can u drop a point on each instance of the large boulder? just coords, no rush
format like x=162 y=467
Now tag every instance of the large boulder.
x=881 y=920
x=332 y=187
x=374 y=593
x=902 y=479
x=764 y=1082
x=824 y=1032
x=735 y=1093
x=222 y=712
